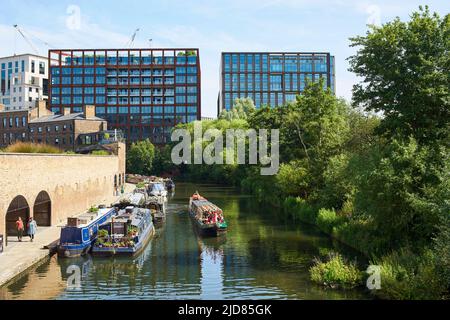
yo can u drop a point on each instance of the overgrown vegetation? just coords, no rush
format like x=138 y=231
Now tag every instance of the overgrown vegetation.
x=28 y=147
x=100 y=153
x=336 y=272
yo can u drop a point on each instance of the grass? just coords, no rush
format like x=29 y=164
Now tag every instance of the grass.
x=28 y=147
x=409 y=276
x=336 y=273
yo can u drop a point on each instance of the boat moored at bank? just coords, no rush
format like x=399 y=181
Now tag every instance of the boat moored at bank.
x=127 y=233
x=77 y=237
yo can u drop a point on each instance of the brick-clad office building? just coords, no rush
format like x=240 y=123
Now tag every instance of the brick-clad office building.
x=142 y=92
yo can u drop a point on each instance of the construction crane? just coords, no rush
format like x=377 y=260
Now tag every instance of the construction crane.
x=130 y=42
x=26 y=39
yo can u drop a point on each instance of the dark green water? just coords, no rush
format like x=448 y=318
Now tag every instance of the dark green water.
x=261 y=257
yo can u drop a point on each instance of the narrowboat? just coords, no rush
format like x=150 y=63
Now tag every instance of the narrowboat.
x=170 y=185
x=207 y=217
x=157 y=207
x=78 y=235
x=125 y=234
x=136 y=199
x=157 y=189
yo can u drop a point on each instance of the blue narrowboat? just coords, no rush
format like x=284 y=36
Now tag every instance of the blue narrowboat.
x=127 y=233
x=78 y=235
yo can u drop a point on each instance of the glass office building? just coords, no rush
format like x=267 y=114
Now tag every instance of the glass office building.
x=271 y=78
x=143 y=92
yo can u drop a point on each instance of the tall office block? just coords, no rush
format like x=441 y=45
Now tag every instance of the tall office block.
x=143 y=92
x=271 y=78
x=23 y=81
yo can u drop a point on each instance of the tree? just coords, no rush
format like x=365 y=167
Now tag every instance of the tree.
x=318 y=127
x=242 y=109
x=405 y=68
x=140 y=157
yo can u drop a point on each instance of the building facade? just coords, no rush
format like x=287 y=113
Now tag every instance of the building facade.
x=142 y=92
x=39 y=125
x=271 y=78
x=23 y=81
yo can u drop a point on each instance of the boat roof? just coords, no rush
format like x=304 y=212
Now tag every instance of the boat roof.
x=205 y=203
x=93 y=216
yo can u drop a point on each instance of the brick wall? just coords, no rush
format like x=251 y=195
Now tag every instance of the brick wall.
x=73 y=182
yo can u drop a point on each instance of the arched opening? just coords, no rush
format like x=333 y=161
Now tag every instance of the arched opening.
x=17 y=208
x=42 y=209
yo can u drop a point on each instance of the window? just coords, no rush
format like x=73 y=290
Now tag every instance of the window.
x=192 y=99
x=276 y=63
x=41 y=67
x=56 y=128
x=24 y=121
x=32 y=66
x=306 y=64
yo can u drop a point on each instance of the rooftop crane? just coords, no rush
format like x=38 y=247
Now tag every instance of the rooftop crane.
x=26 y=39
x=22 y=33
x=130 y=42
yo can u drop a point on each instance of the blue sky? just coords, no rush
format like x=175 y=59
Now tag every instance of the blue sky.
x=212 y=26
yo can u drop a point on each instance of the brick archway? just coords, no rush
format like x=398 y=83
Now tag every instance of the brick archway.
x=17 y=208
x=42 y=209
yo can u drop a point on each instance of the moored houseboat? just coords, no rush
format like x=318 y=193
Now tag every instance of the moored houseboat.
x=207 y=217
x=157 y=206
x=157 y=189
x=77 y=236
x=127 y=233
x=170 y=185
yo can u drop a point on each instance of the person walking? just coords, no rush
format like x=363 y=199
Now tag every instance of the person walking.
x=19 y=227
x=31 y=228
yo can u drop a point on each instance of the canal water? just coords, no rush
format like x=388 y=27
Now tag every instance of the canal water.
x=262 y=257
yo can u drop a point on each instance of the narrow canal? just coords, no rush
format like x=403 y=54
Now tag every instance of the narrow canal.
x=261 y=257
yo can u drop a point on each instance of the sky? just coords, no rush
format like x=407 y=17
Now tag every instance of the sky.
x=212 y=26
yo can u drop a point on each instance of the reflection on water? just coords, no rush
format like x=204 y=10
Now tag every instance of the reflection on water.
x=261 y=257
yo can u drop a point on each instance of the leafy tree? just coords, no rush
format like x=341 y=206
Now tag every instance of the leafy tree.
x=396 y=188
x=140 y=157
x=318 y=128
x=241 y=109
x=405 y=68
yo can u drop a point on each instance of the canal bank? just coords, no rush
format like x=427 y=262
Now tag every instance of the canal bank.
x=21 y=256
x=262 y=256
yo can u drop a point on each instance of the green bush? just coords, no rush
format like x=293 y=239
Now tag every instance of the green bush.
x=299 y=209
x=336 y=272
x=140 y=185
x=408 y=276
x=100 y=153
x=359 y=233
x=93 y=209
x=327 y=219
